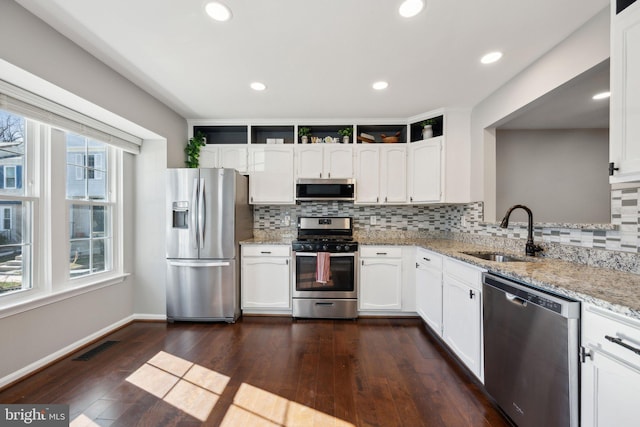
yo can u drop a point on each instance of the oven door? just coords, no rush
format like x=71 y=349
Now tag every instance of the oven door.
x=342 y=280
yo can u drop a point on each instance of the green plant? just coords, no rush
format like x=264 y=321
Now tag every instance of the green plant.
x=428 y=122
x=345 y=132
x=304 y=131
x=192 y=150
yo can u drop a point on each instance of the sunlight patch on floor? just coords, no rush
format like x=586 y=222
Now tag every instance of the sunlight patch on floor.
x=195 y=390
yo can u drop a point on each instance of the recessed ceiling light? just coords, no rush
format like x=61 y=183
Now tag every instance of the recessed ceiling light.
x=602 y=95
x=410 y=8
x=258 y=86
x=218 y=11
x=380 y=85
x=491 y=57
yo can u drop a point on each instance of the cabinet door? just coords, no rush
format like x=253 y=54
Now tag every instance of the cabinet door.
x=610 y=391
x=425 y=166
x=233 y=157
x=393 y=172
x=380 y=284
x=266 y=283
x=625 y=94
x=209 y=156
x=271 y=175
x=429 y=297
x=367 y=174
x=309 y=161
x=461 y=323
x=338 y=161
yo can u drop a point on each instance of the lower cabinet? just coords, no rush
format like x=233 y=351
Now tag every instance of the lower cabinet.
x=266 y=279
x=380 y=278
x=610 y=384
x=462 y=313
x=429 y=288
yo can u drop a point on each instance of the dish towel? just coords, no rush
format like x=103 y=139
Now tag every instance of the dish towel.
x=323 y=267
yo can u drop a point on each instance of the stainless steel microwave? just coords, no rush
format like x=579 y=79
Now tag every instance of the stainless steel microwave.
x=325 y=189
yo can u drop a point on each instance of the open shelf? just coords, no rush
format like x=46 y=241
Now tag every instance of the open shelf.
x=223 y=134
x=260 y=134
x=416 y=129
x=322 y=131
x=378 y=130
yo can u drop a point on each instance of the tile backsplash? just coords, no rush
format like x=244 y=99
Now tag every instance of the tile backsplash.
x=612 y=245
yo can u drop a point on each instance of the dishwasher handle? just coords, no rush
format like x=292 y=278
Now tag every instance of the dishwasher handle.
x=515 y=300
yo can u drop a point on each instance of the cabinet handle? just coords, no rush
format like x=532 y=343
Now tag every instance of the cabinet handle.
x=381 y=253
x=411 y=199
x=329 y=175
x=620 y=343
x=471 y=294
x=385 y=199
x=320 y=174
x=265 y=252
x=287 y=262
x=417 y=265
x=584 y=353
x=612 y=169
x=426 y=259
x=377 y=199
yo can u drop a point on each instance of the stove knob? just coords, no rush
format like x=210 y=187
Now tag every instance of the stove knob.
x=309 y=247
x=338 y=248
x=325 y=247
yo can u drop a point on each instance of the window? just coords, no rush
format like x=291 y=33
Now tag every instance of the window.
x=90 y=209
x=76 y=211
x=15 y=207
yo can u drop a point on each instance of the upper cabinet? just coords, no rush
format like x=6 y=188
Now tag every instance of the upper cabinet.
x=271 y=174
x=624 y=150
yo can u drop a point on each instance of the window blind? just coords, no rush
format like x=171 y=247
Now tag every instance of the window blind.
x=28 y=104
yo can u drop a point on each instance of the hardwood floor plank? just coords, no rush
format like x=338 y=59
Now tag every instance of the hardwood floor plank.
x=267 y=371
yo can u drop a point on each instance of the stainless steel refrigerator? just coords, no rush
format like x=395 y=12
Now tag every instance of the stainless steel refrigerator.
x=208 y=214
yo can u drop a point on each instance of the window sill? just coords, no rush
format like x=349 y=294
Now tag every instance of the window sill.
x=40 y=300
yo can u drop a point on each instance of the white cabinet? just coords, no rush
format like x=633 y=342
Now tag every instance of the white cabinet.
x=266 y=279
x=381 y=174
x=380 y=278
x=425 y=170
x=462 y=313
x=324 y=161
x=429 y=288
x=624 y=146
x=610 y=387
x=271 y=174
x=233 y=156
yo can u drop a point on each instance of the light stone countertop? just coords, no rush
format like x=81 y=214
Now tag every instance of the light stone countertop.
x=614 y=290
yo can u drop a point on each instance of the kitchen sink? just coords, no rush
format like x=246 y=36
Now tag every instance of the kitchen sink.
x=495 y=256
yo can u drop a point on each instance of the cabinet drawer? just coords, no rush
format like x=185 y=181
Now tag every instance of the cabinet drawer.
x=429 y=259
x=599 y=323
x=266 y=250
x=464 y=272
x=381 y=251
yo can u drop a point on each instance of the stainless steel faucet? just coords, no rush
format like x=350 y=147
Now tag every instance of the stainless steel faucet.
x=530 y=248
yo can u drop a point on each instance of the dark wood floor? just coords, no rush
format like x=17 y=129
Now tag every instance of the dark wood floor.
x=265 y=371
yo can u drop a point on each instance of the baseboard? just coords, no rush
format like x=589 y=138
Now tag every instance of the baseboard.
x=39 y=365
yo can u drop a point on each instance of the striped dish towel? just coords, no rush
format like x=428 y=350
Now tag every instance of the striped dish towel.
x=323 y=267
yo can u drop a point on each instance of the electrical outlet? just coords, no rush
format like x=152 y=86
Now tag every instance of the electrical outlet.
x=372 y=220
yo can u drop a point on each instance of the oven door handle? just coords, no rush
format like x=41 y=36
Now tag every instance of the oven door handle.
x=333 y=255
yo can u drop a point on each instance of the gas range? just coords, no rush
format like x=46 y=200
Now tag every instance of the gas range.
x=325 y=234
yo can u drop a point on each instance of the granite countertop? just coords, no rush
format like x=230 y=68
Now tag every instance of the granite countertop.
x=611 y=289
x=615 y=290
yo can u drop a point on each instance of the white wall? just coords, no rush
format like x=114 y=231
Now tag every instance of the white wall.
x=37 y=336
x=582 y=50
x=558 y=173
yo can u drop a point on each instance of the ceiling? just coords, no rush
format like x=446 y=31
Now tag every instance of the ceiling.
x=317 y=58
x=569 y=106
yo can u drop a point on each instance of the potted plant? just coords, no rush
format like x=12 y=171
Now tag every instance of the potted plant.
x=345 y=134
x=427 y=128
x=304 y=133
x=192 y=150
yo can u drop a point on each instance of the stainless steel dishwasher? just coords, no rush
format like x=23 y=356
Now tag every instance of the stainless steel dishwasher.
x=531 y=341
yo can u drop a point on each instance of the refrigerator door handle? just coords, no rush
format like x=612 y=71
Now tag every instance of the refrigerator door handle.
x=201 y=214
x=194 y=220
x=199 y=264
